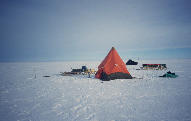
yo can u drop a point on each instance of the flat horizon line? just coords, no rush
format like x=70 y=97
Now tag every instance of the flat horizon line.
x=39 y=61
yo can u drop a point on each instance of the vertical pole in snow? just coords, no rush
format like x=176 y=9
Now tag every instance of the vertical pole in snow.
x=34 y=73
x=88 y=74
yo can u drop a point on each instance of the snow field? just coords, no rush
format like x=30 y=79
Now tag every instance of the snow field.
x=78 y=98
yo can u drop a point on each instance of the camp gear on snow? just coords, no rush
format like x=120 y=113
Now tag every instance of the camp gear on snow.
x=89 y=76
x=69 y=73
x=112 y=67
x=76 y=70
x=154 y=66
x=130 y=62
x=91 y=71
x=83 y=70
x=169 y=74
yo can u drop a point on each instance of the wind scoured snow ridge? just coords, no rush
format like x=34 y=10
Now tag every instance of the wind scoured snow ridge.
x=78 y=98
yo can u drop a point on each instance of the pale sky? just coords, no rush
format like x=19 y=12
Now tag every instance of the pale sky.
x=56 y=30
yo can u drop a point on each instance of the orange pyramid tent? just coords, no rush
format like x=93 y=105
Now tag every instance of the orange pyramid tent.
x=112 y=67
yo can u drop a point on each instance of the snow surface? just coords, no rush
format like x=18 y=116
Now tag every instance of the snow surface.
x=25 y=95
